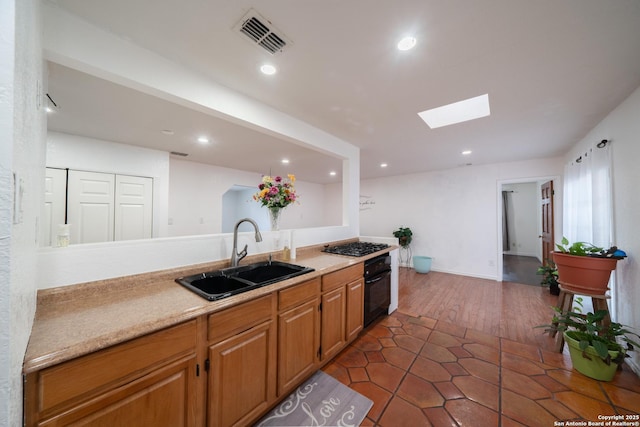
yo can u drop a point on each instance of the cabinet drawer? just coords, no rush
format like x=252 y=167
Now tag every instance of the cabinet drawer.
x=239 y=318
x=298 y=294
x=341 y=277
x=85 y=376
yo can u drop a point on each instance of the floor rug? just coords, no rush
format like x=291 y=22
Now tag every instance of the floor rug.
x=320 y=401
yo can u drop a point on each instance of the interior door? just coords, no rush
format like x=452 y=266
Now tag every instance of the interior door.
x=546 y=193
x=55 y=195
x=90 y=209
x=133 y=207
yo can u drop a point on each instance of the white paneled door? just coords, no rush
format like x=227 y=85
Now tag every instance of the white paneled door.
x=133 y=213
x=103 y=207
x=90 y=209
x=55 y=193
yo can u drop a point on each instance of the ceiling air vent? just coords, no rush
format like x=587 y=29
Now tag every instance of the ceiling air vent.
x=262 y=32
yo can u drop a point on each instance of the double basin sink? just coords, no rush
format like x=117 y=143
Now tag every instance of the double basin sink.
x=218 y=284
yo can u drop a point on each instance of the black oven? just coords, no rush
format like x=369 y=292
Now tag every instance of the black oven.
x=377 y=287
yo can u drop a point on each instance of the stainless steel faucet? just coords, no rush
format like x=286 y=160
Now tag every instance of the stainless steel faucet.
x=235 y=255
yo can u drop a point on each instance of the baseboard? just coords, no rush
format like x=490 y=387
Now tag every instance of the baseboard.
x=633 y=364
x=461 y=273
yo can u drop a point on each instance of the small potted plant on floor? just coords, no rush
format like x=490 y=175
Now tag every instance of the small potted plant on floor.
x=583 y=267
x=404 y=236
x=596 y=349
x=549 y=273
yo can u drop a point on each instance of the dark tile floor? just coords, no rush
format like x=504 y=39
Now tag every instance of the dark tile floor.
x=520 y=269
x=423 y=372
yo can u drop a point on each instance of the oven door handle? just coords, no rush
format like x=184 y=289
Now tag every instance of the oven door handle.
x=375 y=279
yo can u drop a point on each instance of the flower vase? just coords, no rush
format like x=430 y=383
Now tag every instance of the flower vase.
x=274 y=217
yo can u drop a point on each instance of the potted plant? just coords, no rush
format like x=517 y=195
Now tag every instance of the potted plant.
x=549 y=273
x=404 y=235
x=583 y=267
x=596 y=349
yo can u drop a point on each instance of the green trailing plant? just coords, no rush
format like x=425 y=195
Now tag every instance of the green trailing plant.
x=588 y=249
x=588 y=330
x=404 y=236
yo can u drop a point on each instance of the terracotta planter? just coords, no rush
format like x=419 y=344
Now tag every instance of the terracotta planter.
x=592 y=365
x=588 y=275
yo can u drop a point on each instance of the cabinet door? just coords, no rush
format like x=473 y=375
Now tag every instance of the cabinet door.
x=355 y=309
x=333 y=322
x=298 y=344
x=242 y=376
x=165 y=397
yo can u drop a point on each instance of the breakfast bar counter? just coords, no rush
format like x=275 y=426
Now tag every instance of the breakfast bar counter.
x=75 y=320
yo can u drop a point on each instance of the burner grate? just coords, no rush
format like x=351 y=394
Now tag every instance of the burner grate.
x=356 y=249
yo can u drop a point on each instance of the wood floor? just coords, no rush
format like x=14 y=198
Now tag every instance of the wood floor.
x=504 y=309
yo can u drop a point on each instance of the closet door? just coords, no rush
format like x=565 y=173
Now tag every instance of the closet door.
x=55 y=194
x=133 y=207
x=90 y=211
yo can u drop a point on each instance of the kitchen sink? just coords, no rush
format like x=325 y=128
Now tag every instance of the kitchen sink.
x=267 y=272
x=218 y=284
x=215 y=285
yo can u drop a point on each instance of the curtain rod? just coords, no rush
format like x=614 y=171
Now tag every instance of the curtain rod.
x=600 y=144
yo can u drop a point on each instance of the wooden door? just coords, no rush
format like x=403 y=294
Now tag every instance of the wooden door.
x=242 y=376
x=133 y=209
x=90 y=206
x=298 y=344
x=333 y=323
x=546 y=203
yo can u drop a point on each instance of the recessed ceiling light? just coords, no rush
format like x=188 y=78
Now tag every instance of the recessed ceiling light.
x=203 y=140
x=48 y=109
x=285 y=161
x=458 y=112
x=407 y=43
x=167 y=131
x=383 y=165
x=333 y=173
x=466 y=152
x=268 y=69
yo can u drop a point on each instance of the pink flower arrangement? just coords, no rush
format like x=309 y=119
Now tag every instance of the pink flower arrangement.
x=276 y=192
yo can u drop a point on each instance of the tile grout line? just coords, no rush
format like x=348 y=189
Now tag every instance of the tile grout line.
x=393 y=394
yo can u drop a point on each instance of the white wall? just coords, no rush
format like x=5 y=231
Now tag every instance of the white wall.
x=70 y=41
x=7 y=371
x=622 y=127
x=22 y=132
x=196 y=192
x=523 y=219
x=454 y=214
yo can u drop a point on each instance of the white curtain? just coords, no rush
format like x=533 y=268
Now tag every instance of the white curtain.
x=587 y=198
x=588 y=205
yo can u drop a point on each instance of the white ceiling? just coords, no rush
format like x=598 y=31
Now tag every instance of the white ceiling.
x=553 y=69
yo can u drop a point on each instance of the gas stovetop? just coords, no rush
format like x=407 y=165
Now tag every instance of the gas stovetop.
x=356 y=248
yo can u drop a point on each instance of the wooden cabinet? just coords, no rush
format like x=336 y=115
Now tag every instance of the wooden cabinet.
x=242 y=360
x=342 y=308
x=226 y=368
x=298 y=334
x=118 y=385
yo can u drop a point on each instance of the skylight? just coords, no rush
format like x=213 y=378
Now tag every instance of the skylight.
x=458 y=112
